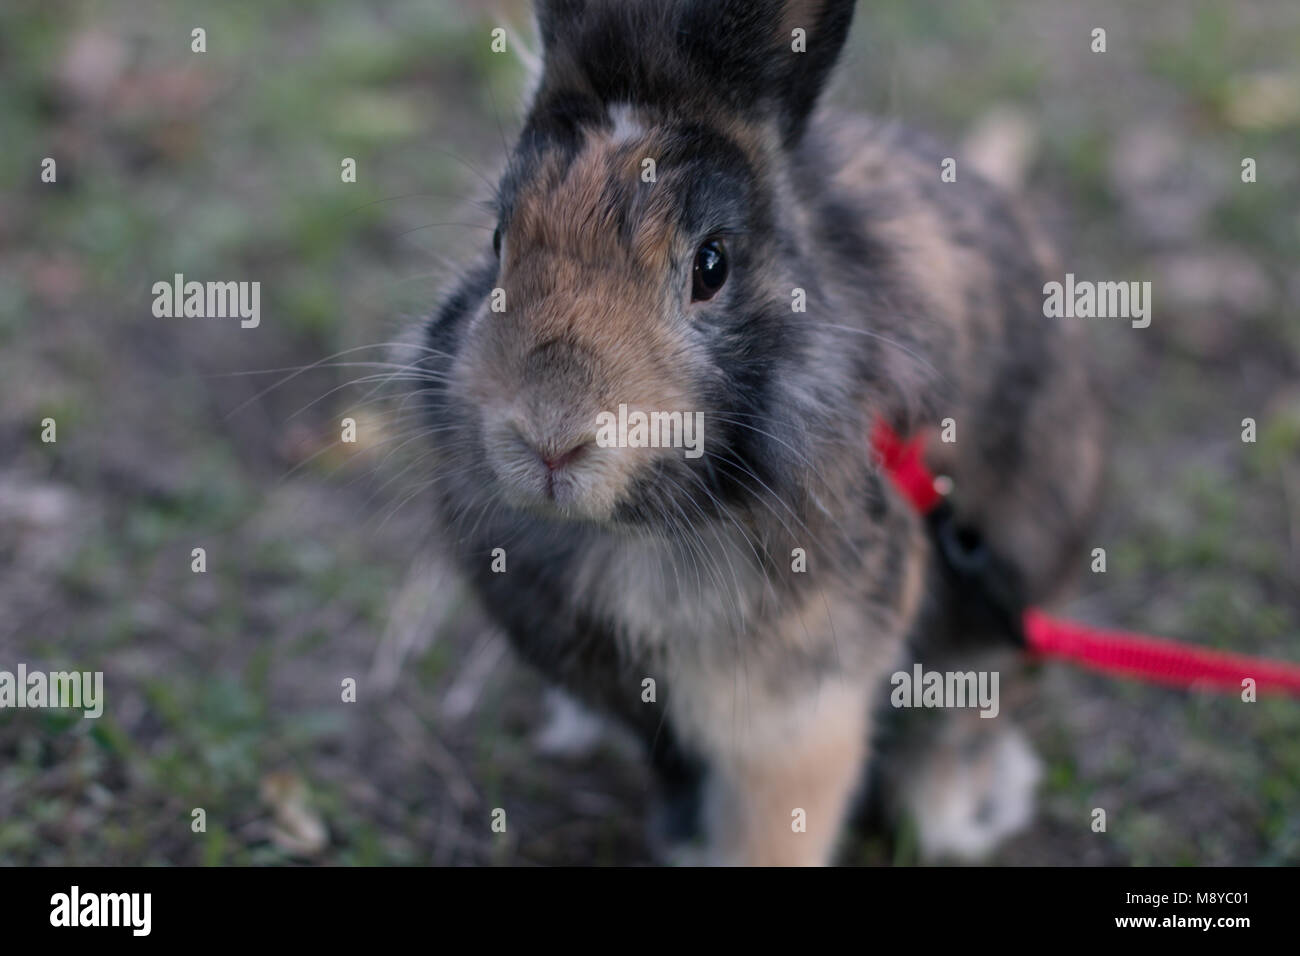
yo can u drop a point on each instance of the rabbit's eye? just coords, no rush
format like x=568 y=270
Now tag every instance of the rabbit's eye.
x=496 y=242
x=710 y=271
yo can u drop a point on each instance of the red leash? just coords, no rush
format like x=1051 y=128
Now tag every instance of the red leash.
x=1136 y=656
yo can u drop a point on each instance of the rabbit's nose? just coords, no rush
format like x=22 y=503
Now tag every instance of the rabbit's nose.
x=555 y=453
x=556 y=461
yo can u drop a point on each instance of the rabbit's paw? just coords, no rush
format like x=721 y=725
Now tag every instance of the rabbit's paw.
x=968 y=797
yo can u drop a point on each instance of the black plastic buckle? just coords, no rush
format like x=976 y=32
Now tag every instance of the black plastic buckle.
x=988 y=587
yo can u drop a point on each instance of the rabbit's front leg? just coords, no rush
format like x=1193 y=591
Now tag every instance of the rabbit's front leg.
x=780 y=780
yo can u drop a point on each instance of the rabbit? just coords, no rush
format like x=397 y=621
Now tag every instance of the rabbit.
x=682 y=228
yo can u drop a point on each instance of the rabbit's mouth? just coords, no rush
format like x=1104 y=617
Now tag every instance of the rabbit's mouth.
x=590 y=473
x=553 y=473
x=560 y=472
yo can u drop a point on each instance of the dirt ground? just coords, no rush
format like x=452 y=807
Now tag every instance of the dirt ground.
x=223 y=688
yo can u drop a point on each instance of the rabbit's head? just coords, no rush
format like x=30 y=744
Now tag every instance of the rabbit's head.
x=652 y=249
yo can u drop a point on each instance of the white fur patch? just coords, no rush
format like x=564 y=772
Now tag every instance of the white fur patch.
x=627 y=126
x=964 y=808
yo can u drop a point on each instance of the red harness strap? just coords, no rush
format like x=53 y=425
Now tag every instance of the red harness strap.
x=903 y=462
x=1137 y=656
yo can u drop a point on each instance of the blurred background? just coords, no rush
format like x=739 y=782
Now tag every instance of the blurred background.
x=223 y=688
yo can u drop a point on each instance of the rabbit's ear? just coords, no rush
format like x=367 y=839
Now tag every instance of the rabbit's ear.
x=758 y=59
x=553 y=16
x=777 y=52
